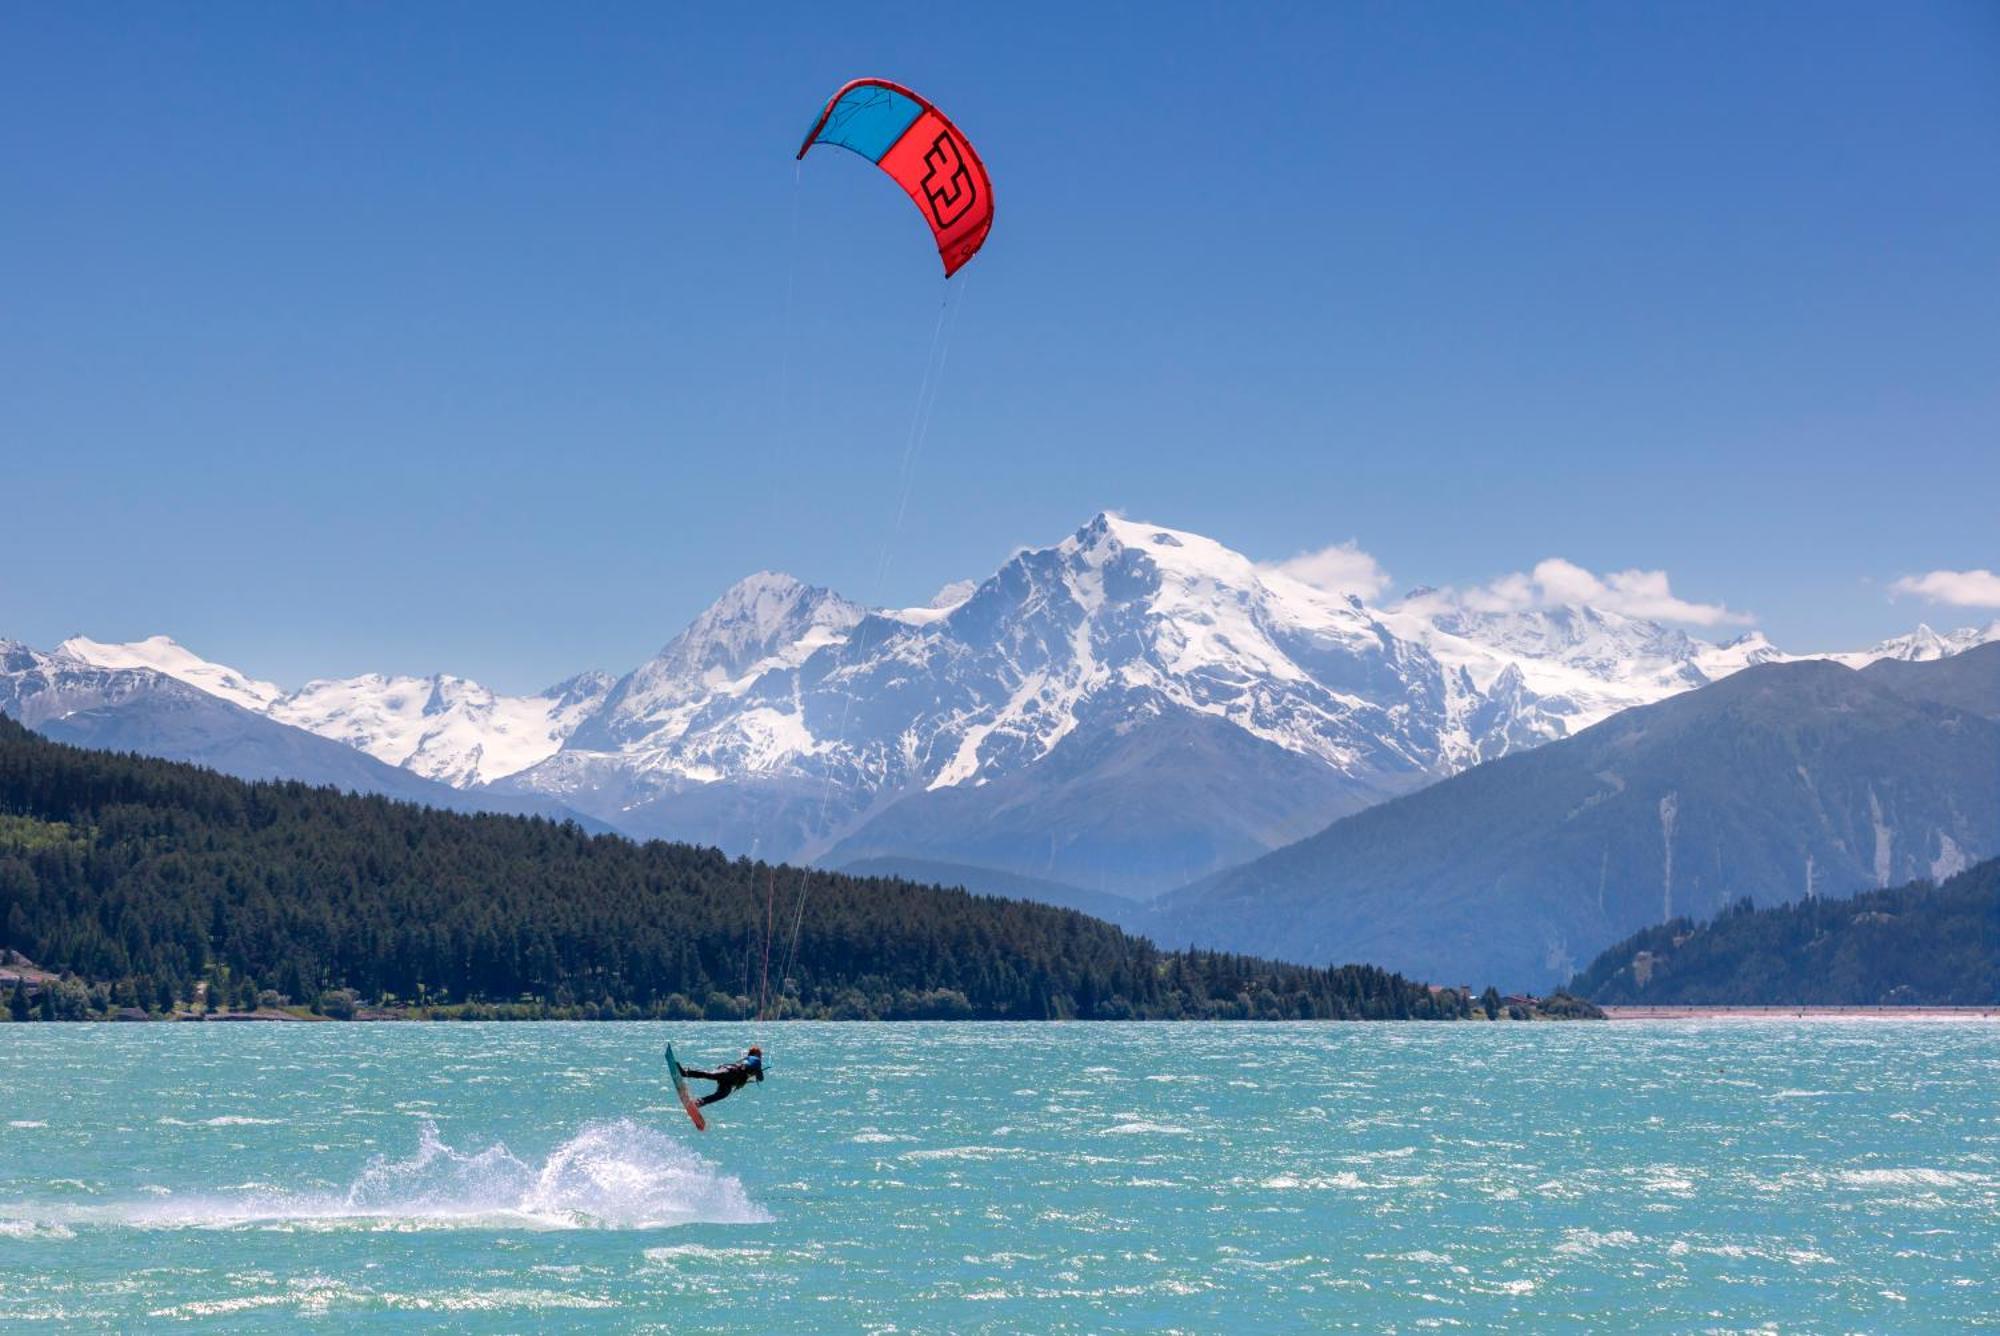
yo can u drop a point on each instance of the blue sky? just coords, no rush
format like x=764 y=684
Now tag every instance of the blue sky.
x=500 y=339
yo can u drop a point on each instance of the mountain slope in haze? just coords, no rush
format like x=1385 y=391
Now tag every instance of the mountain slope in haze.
x=138 y=709
x=1777 y=779
x=986 y=881
x=1919 y=944
x=1965 y=681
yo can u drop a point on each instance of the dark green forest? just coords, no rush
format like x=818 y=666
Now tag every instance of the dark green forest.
x=159 y=887
x=1915 y=944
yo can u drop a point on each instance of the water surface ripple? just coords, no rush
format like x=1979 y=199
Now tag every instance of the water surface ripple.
x=1668 y=1175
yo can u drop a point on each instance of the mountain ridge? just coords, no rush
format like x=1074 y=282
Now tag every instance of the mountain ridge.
x=1017 y=721
x=138 y=709
x=1782 y=780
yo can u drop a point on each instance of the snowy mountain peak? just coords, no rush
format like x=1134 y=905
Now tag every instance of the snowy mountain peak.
x=765 y=589
x=591 y=685
x=442 y=727
x=1922 y=645
x=754 y=619
x=953 y=594
x=163 y=655
x=1176 y=550
x=765 y=623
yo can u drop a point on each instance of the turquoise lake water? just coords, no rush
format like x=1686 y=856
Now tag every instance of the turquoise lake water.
x=1054 y=1178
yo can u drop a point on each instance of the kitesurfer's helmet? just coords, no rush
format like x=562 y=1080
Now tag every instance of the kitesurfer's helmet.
x=756 y=1052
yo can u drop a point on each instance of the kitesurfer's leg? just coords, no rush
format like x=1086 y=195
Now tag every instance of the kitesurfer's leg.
x=721 y=1092
x=699 y=1075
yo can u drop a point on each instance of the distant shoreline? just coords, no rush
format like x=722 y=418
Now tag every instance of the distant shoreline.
x=1800 y=1013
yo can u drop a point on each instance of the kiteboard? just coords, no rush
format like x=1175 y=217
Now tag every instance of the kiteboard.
x=681 y=1089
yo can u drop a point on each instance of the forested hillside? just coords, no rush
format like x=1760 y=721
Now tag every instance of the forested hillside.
x=148 y=879
x=1910 y=944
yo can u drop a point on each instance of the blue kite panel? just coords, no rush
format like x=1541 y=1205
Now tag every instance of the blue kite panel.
x=869 y=121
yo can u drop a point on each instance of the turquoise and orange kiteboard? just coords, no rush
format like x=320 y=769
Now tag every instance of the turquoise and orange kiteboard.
x=681 y=1089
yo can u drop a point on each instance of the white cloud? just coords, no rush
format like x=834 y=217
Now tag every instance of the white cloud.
x=1341 y=569
x=1965 y=589
x=1634 y=593
x=1509 y=593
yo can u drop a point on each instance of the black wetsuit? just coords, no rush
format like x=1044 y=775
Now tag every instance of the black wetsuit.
x=728 y=1080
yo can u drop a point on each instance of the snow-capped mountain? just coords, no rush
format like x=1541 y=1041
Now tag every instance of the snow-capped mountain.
x=163 y=656
x=1553 y=671
x=1127 y=709
x=1133 y=705
x=441 y=727
x=764 y=624
x=136 y=707
x=1922 y=645
x=787 y=718
x=779 y=678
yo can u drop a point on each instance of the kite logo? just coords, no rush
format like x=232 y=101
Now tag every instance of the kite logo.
x=948 y=184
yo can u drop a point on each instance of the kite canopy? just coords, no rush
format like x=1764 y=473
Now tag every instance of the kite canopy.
x=912 y=141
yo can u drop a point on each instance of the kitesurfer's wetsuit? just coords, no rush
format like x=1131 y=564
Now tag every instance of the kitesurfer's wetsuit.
x=728 y=1080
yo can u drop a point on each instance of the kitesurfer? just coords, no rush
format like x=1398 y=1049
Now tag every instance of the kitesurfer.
x=732 y=1078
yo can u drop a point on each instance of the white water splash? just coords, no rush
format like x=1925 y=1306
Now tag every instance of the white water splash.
x=610 y=1175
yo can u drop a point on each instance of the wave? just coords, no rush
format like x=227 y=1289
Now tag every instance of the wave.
x=967 y=1153
x=1911 y=1178
x=610 y=1175
x=1343 y=1180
